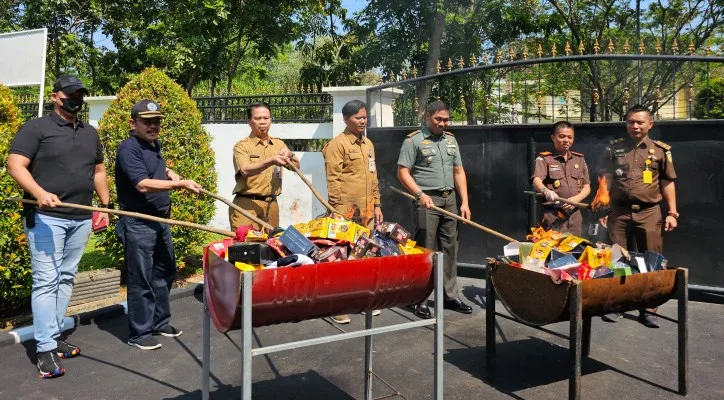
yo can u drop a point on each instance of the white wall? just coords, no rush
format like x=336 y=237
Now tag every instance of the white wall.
x=296 y=203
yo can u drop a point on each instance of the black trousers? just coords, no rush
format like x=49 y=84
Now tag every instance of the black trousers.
x=150 y=268
x=435 y=231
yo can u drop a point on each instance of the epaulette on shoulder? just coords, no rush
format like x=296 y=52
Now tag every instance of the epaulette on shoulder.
x=662 y=145
x=545 y=153
x=575 y=153
x=619 y=140
x=413 y=133
x=448 y=133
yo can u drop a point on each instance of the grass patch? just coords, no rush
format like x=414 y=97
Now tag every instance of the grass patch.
x=94 y=258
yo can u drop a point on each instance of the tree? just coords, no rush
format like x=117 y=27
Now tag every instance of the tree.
x=710 y=101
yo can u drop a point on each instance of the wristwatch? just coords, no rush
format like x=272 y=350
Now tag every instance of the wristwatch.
x=109 y=206
x=418 y=194
x=674 y=214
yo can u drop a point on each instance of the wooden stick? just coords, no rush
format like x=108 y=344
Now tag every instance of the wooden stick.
x=237 y=208
x=319 y=197
x=566 y=201
x=459 y=218
x=135 y=215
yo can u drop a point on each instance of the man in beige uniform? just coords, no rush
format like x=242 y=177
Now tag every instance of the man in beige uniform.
x=258 y=162
x=352 y=185
x=349 y=159
x=562 y=174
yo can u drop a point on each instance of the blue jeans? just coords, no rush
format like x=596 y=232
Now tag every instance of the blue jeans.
x=56 y=246
x=150 y=270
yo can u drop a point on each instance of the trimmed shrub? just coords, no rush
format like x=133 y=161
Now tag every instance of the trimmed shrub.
x=186 y=146
x=15 y=272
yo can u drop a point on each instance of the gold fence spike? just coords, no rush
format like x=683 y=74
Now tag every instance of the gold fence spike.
x=707 y=51
x=461 y=62
x=525 y=52
x=485 y=58
x=626 y=47
x=554 y=50
x=511 y=54
x=596 y=47
x=414 y=71
x=391 y=76
x=611 y=47
x=404 y=74
x=473 y=60
x=449 y=64
x=691 y=92
x=596 y=96
x=498 y=57
x=691 y=47
x=658 y=47
x=437 y=67
x=540 y=50
x=539 y=100
x=642 y=48
x=674 y=47
x=626 y=96
x=567 y=49
x=417 y=106
x=659 y=93
x=581 y=48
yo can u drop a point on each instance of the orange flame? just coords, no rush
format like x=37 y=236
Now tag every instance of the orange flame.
x=602 y=198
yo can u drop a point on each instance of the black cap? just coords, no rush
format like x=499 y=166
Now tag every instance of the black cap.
x=146 y=109
x=69 y=84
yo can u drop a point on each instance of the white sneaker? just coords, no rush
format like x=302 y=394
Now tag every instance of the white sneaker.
x=341 y=319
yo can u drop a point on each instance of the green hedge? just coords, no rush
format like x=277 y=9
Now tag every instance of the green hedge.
x=15 y=273
x=710 y=101
x=186 y=148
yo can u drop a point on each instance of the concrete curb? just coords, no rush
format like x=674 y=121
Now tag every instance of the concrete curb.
x=25 y=333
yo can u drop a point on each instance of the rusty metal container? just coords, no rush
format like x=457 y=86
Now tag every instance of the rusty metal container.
x=535 y=299
x=294 y=294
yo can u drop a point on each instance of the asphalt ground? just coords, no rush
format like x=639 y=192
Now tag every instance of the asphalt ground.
x=627 y=361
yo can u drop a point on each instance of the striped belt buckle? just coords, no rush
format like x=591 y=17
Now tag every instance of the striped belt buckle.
x=635 y=207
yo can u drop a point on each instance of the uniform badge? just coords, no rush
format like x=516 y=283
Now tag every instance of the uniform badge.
x=557 y=184
x=651 y=151
x=619 y=172
x=575 y=166
x=429 y=160
x=426 y=141
x=668 y=156
x=152 y=107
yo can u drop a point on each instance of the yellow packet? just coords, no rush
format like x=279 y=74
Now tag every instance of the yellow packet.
x=542 y=248
x=256 y=236
x=570 y=243
x=241 y=266
x=410 y=248
x=596 y=257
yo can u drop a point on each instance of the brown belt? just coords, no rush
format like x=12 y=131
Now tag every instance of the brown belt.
x=268 y=199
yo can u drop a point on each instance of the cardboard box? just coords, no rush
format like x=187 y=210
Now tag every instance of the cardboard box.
x=395 y=232
x=364 y=248
x=297 y=243
x=332 y=254
x=329 y=228
x=251 y=253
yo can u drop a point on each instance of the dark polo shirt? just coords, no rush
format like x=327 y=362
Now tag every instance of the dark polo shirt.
x=137 y=160
x=63 y=156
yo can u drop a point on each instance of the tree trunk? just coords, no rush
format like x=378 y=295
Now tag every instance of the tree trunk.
x=433 y=54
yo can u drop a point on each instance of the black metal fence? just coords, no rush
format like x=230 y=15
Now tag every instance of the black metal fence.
x=307 y=107
x=516 y=89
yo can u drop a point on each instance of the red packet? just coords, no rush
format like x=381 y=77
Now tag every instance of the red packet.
x=97 y=224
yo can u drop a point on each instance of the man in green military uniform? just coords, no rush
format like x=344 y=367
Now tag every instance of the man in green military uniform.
x=430 y=167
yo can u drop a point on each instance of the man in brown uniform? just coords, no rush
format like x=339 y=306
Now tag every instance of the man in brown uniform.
x=349 y=159
x=352 y=186
x=565 y=175
x=642 y=172
x=258 y=162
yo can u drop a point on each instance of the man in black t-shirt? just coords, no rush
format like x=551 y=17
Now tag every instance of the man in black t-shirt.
x=143 y=182
x=57 y=158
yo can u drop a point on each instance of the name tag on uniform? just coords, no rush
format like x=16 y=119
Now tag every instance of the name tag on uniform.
x=648 y=177
x=555 y=167
x=372 y=164
x=277 y=172
x=253 y=156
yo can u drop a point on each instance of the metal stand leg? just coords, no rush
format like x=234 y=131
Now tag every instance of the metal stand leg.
x=246 y=356
x=574 y=381
x=586 y=337
x=490 y=325
x=206 y=339
x=439 y=326
x=682 y=282
x=368 y=357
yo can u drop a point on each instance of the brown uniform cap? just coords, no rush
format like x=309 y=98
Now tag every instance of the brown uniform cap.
x=352 y=184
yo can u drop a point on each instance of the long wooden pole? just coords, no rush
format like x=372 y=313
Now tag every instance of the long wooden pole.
x=237 y=208
x=566 y=201
x=314 y=190
x=135 y=215
x=459 y=218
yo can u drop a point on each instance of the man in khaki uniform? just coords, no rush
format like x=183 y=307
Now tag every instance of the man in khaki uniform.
x=258 y=162
x=349 y=159
x=352 y=186
x=565 y=175
x=642 y=174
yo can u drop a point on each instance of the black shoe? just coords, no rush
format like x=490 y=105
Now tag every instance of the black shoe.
x=613 y=317
x=648 y=320
x=66 y=350
x=49 y=365
x=168 y=331
x=421 y=310
x=457 y=305
x=148 y=343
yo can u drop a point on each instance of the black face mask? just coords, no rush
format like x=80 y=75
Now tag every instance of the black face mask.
x=72 y=105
